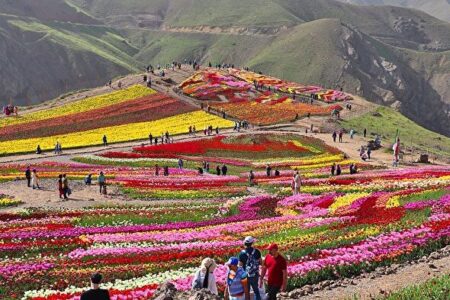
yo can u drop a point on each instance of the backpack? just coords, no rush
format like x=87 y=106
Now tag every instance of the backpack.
x=252 y=264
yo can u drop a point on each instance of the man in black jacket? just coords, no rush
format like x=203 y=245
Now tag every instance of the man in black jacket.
x=28 y=176
x=95 y=293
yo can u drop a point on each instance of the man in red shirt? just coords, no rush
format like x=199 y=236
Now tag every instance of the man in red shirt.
x=276 y=267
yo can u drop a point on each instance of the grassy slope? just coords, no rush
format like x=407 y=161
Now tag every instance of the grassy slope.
x=302 y=56
x=160 y=47
x=100 y=41
x=436 y=289
x=437 y=8
x=410 y=133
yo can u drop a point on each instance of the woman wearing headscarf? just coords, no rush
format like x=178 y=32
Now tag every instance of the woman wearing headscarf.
x=204 y=277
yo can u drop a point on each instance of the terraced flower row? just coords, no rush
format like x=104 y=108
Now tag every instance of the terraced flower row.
x=148 y=108
x=279 y=112
x=121 y=133
x=235 y=94
x=49 y=254
x=323 y=94
x=81 y=106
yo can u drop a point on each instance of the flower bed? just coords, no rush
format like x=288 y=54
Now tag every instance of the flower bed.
x=148 y=108
x=50 y=254
x=235 y=94
x=122 y=133
x=7 y=201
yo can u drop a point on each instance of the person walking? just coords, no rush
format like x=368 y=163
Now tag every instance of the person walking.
x=35 y=179
x=224 y=170
x=88 y=179
x=105 y=140
x=297 y=183
x=334 y=135
x=28 y=176
x=250 y=260
x=102 y=183
x=369 y=152
x=341 y=134
x=95 y=293
x=333 y=169
x=338 y=170
x=236 y=281
x=150 y=138
x=204 y=277
x=275 y=266
x=365 y=132
x=268 y=170
x=251 y=178
x=61 y=187
x=352 y=133
x=218 y=170
x=180 y=164
x=66 y=188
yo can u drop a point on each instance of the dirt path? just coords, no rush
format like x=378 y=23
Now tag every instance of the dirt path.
x=371 y=287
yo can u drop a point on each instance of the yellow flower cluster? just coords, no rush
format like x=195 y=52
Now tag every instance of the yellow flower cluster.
x=133 y=92
x=393 y=202
x=6 y=202
x=115 y=134
x=346 y=200
x=310 y=148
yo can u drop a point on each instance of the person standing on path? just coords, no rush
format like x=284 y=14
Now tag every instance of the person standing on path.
x=28 y=176
x=341 y=134
x=180 y=164
x=105 y=140
x=275 y=266
x=95 y=293
x=102 y=182
x=35 y=179
x=61 y=187
x=218 y=170
x=297 y=183
x=236 y=281
x=365 y=132
x=334 y=135
x=250 y=260
x=66 y=188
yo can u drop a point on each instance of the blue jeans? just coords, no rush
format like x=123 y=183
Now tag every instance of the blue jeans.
x=253 y=283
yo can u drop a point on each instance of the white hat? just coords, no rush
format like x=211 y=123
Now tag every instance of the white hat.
x=249 y=240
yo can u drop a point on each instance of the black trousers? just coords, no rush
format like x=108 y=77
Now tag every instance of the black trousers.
x=272 y=292
x=29 y=182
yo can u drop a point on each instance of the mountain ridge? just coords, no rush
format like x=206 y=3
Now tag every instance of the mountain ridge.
x=399 y=56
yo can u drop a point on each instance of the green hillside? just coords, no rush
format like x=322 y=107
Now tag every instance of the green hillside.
x=438 y=8
x=386 y=123
x=390 y=55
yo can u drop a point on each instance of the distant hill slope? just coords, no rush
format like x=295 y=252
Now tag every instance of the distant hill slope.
x=438 y=8
x=391 y=55
x=41 y=60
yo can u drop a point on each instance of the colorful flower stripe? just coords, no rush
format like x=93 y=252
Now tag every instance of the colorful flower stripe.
x=116 y=134
x=148 y=108
x=133 y=92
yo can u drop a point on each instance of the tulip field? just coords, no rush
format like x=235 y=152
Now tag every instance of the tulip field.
x=234 y=92
x=338 y=226
x=124 y=115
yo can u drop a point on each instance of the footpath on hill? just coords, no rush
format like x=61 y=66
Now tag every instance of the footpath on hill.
x=367 y=286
